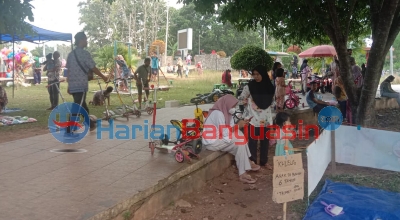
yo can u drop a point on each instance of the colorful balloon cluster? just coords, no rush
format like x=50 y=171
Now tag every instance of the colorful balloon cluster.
x=22 y=57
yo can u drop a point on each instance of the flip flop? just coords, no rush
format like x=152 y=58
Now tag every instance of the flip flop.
x=247 y=179
x=254 y=167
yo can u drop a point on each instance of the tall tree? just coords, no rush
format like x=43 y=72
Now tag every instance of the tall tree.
x=306 y=20
x=13 y=14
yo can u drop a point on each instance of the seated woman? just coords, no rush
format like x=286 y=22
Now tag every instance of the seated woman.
x=387 y=91
x=3 y=99
x=220 y=118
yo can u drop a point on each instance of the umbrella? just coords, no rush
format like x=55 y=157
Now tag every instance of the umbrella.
x=319 y=51
x=278 y=54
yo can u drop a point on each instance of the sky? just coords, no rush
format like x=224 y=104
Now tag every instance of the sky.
x=62 y=16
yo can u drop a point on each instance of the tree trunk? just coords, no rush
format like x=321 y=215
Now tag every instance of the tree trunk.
x=382 y=40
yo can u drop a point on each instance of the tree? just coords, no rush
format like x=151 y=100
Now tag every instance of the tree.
x=13 y=14
x=250 y=56
x=294 y=49
x=340 y=21
x=221 y=54
x=161 y=47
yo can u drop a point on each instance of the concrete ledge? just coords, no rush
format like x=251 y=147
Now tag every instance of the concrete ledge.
x=171 y=104
x=385 y=103
x=148 y=203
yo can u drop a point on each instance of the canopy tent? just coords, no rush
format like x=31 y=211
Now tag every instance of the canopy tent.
x=41 y=36
x=278 y=54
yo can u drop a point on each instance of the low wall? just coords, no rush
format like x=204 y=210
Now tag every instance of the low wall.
x=385 y=103
x=213 y=62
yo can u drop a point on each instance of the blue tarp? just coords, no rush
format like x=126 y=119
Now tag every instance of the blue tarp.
x=359 y=203
x=42 y=35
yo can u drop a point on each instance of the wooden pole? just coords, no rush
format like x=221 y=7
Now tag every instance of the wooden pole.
x=333 y=156
x=284 y=211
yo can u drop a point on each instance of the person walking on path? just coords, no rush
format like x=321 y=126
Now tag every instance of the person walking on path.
x=79 y=63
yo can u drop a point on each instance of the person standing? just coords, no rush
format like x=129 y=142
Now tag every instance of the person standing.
x=52 y=81
x=79 y=63
x=258 y=95
x=180 y=67
x=154 y=66
x=37 y=71
x=227 y=78
x=305 y=72
x=280 y=91
x=142 y=76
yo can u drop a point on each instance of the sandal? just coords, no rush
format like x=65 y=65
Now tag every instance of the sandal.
x=254 y=167
x=269 y=167
x=247 y=179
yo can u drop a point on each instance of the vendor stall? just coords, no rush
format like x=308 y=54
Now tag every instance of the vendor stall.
x=18 y=62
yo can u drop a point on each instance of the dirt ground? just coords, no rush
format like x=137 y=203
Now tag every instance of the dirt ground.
x=7 y=136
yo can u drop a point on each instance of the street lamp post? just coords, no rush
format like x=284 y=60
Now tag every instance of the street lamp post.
x=199 y=45
x=166 y=37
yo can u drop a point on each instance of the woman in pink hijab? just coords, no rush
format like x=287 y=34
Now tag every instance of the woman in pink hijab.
x=221 y=134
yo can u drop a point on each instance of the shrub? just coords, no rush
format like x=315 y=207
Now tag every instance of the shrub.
x=221 y=54
x=250 y=56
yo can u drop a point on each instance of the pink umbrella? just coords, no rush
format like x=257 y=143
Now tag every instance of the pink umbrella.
x=319 y=51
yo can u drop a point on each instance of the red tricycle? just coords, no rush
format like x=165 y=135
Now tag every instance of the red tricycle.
x=293 y=99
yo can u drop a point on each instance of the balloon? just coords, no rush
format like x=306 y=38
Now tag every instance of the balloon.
x=24 y=59
x=18 y=58
x=10 y=55
x=25 y=48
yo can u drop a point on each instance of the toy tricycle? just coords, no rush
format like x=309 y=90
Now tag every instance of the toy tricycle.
x=184 y=149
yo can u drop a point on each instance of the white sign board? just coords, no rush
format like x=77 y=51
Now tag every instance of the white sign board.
x=185 y=39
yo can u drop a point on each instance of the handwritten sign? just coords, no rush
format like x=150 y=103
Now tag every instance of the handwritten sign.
x=288 y=178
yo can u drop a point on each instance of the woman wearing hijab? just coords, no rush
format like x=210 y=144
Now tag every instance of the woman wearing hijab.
x=258 y=95
x=305 y=71
x=218 y=135
x=387 y=91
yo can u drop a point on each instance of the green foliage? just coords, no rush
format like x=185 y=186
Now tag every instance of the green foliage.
x=13 y=14
x=287 y=61
x=104 y=57
x=293 y=21
x=250 y=56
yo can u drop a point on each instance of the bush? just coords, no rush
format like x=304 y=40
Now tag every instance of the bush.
x=294 y=49
x=249 y=57
x=221 y=54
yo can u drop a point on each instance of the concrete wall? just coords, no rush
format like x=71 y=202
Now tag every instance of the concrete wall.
x=213 y=62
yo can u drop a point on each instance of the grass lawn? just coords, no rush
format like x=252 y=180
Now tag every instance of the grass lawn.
x=35 y=99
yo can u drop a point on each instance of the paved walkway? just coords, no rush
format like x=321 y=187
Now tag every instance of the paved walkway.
x=36 y=184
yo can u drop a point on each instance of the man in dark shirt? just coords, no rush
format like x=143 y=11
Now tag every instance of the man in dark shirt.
x=144 y=77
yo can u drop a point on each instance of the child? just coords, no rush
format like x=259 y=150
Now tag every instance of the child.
x=280 y=89
x=282 y=119
x=126 y=73
x=99 y=98
x=187 y=71
x=3 y=99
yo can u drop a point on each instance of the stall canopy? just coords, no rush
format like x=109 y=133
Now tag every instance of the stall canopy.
x=41 y=36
